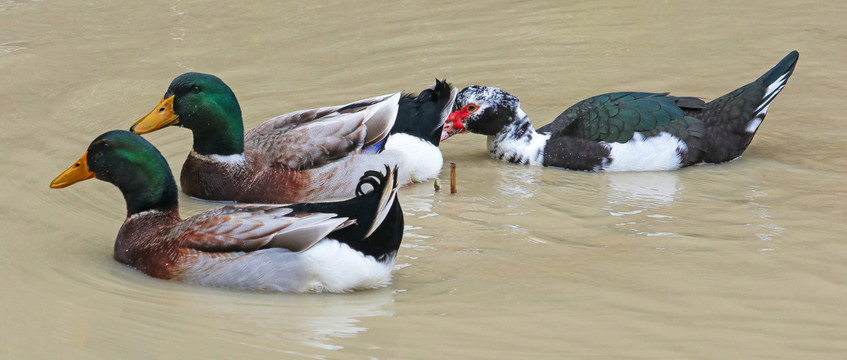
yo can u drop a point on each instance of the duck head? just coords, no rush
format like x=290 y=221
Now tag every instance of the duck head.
x=130 y=163
x=482 y=110
x=205 y=105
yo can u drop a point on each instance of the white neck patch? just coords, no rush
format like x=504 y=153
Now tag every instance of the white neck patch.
x=236 y=159
x=142 y=213
x=512 y=146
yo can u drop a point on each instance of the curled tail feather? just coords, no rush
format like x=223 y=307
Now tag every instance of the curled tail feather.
x=387 y=184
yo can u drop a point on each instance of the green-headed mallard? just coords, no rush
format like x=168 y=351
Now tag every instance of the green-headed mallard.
x=329 y=246
x=299 y=156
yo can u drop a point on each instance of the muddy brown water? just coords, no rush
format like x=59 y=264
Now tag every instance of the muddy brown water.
x=741 y=260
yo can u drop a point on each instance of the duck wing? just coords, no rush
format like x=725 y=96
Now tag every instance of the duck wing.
x=253 y=227
x=310 y=138
x=615 y=117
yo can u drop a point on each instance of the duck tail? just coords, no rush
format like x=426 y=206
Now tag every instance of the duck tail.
x=733 y=119
x=386 y=185
x=424 y=115
x=772 y=81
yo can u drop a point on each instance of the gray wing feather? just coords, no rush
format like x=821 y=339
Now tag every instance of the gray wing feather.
x=311 y=138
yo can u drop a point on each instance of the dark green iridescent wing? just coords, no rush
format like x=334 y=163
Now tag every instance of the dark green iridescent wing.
x=615 y=117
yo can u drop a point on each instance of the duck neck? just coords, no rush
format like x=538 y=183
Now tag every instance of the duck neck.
x=518 y=142
x=144 y=185
x=226 y=140
x=216 y=124
x=150 y=193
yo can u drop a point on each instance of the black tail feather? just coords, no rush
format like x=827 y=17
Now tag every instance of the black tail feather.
x=378 y=218
x=784 y=68
x=733 y=119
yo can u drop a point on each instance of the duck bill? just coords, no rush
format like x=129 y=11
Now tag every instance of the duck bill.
x=74 y=174
x=162 y=116
x=454 y=124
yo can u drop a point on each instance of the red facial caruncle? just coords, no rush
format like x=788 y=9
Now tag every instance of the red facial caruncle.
x=455 y=122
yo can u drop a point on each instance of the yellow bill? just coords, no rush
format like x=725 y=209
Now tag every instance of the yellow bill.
x=74 y=174
x=161 y=116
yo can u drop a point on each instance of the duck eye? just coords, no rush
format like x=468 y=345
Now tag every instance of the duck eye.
x=472 y=107
x=195 y=89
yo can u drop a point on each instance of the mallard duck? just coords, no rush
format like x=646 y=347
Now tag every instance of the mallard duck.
x=300 y=156
x=623 y=131
x=329 y=246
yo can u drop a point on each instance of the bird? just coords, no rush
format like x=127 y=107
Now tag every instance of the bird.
x=622 y=131
x=300 y=156
x=337 y=246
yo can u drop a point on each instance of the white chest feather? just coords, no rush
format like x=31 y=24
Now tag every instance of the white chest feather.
x=660 y=152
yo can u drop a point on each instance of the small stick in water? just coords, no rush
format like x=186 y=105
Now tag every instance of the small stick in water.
x=453 y=178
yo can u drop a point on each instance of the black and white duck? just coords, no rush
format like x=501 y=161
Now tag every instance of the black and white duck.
x=622 y=131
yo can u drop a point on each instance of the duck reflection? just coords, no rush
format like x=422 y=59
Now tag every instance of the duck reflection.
x=648 y=190
x=271 y=321
x=767 y=229
x=638 y=200
x=307 y=325
x=536 y=203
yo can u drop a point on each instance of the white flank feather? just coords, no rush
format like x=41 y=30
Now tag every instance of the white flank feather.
x=329 y=266
x=659 y=152
x=339 y=268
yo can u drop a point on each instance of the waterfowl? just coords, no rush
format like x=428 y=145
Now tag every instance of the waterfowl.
x=299 y=156
x=308 y=247
x=622 y=131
